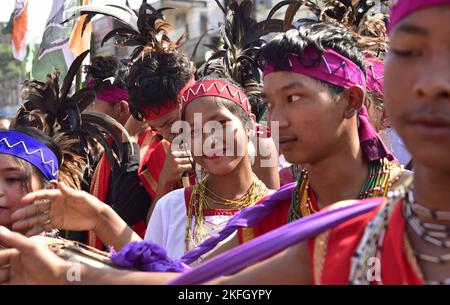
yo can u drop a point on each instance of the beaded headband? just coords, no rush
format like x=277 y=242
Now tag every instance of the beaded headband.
x=217 y=88
x=404 y=8
x=153 y=113
x=31 y=150
x=334 y=69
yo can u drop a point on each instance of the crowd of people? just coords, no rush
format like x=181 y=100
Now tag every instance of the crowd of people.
x=177 y=170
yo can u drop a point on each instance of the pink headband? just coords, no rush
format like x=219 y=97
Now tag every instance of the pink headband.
x=334 y=69
x=404 y=8
x=113 y=94
x=110 y=93
x=153 y=113
x=217 y=88
x=337 y=70
x=375 y=75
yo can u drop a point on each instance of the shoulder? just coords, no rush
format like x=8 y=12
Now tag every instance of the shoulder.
x=172 y=201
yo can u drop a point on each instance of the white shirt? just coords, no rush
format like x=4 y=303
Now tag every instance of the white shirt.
x=167 y=225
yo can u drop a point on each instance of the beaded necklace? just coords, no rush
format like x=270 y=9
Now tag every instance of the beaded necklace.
x=372 y=241
x=378 y=183
x=200 y=201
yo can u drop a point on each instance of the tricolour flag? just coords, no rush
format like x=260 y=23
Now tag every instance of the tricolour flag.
x=20 y=29
x=61 y=43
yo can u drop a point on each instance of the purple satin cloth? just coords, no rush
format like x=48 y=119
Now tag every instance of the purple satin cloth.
x=274 y=242
x=146 y=256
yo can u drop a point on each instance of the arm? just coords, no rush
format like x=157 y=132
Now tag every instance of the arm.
x=289 y=267
x=70 y=209
x=28 y=262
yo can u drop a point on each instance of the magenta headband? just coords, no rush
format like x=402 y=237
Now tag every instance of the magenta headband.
x=109 y=93
x=404 y=8
x=338 y=70
x=112 y=94
x=333 y=69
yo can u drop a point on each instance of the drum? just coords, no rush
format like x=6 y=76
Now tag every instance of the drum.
x=74 y=251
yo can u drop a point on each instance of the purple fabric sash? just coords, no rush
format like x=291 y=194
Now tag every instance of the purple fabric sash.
x=274 y=241
x=247 y=217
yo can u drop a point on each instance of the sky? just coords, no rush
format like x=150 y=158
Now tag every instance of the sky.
x=41 y=9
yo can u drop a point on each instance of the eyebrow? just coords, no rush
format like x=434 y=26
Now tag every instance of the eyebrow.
x=294 y=84
x=212 y=118
x=11 y=169
x=412 y=29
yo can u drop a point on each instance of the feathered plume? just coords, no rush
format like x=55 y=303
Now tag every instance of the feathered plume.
x=242 y=38
x=51 y=108
x=363 y=17
x=145 y=30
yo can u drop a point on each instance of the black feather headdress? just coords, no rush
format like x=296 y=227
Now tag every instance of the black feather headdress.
x=53 y=110
x=363 y=17
x=242 y=39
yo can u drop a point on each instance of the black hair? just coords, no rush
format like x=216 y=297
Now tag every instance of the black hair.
x=317 y=35
x=157 y=78
x=104 y=67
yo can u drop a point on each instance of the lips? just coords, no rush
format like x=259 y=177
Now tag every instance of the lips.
x=215 y=154
x=433 y=125
x=286 y=141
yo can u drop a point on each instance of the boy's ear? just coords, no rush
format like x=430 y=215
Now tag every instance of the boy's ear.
x=355 y=99
x=124 y=107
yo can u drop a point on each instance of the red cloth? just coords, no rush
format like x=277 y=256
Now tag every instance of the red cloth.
x=343 y=240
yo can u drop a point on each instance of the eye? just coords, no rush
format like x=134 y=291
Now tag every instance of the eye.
x=294 y=98
x=14 y=179
x=406 y=53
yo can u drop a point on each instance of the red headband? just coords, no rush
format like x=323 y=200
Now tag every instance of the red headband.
x=153 y=113
x=333 y=69
x=404 y=8
x=217 y=88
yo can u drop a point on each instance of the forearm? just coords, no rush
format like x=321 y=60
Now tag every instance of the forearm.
x=95 y=276
x=113 y=230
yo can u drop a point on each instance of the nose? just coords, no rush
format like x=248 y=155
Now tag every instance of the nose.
x=277 y=114
x=434 y=81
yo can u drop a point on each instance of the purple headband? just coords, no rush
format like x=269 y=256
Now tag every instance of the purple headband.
x=404 y=8
x=338 y=70
x=31 y=150
x=334 y=69
x=110 y=94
